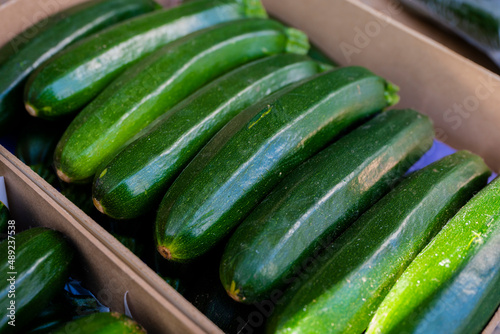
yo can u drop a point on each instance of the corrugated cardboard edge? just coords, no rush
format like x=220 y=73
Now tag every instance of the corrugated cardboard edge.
x=433 y=79
x=152 y=301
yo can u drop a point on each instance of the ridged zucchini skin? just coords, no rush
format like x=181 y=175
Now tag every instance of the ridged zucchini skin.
x=4 y=218
x=317 y=201
x=158 y=83
x=102 y=323
x=64 y=29
x=152 y=162
x=351 y=278
x=42 y=262
x=255 y=150
x=73 y=78
x=453 y=260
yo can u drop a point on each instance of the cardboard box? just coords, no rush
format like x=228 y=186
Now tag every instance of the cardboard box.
x=459 y=95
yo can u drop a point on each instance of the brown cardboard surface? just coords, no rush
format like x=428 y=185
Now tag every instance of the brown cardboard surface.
x=433 y=79
x=107 y=270
x=460 y=96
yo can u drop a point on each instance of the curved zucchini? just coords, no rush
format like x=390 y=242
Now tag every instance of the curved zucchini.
x=153 y=161
x=73 y=78
x=102 y=323
x=255 y=150
x=351 y=278
x=313 y=205
x=437 y=272
x=62 y=29
x=158 y=83
x=42 y=261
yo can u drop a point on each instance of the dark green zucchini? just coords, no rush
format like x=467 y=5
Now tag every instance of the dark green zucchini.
x=101 y=323
x=36 y=145
x=313 y=205
x=255 y=150
x=38 y=264
x=74 y=77
x=467 y=301
x=464 y=255
x=158 y=83
x=60 y=31
x=350 y=279
x=4 y=218
x=153 y=161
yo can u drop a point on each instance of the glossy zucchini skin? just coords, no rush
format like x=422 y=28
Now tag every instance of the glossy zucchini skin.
x=157 y=157
x=158 y=83
x=4 y=218
x=352 y=277
x=42 y=261
x=466 y=302
x=74 y=77
x=442 y=267
x=63 y=29
x=319 y=200
x=255 y=150
x=102 y=323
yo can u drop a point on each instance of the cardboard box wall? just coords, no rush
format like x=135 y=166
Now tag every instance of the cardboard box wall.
x=460 y=96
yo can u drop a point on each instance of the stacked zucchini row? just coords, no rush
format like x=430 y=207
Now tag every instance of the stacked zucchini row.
x=210 y=117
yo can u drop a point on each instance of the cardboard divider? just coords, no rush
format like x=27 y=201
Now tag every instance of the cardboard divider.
x=110 y=269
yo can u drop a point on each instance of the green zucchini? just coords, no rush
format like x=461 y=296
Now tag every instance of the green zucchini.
x=153 y=161
x=350 y=279
x=312 y=205
x=434 y=278
x=73 y=78
x=158 y=83
x=255 y=150
x=62 y=30
x=38 y=265
x=101 y=323
x=469 y=299
x=36 y=145
x=4 y=218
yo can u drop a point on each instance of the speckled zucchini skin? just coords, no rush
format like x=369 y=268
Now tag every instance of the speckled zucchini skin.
x=42 y=261
x=73 y=78
x=348 y=282
x=157 y=83
x=54 y=35
x=319 y=200
x=152 y=162
x=255 y=150
x=461 y=256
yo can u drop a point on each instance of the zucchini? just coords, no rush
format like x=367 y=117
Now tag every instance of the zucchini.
x=350 y=279
x=62 y=30
x=36 y=145
x=255 y=150
x=41 y=262
x=434 y=277
x=4 y=218
x=158 y=83
x=469 y=299
x=153 y=161
x=101 y=323
x=312 y=205
x=73 y=78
